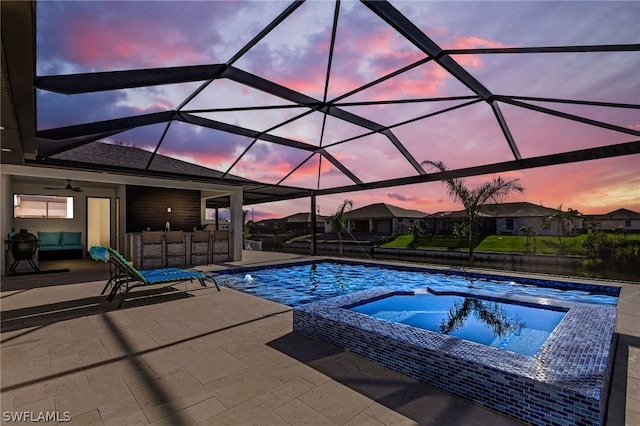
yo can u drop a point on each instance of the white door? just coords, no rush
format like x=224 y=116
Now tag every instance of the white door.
x=98 y=222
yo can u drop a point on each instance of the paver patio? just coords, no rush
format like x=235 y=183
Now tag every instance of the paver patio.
x=221 y=358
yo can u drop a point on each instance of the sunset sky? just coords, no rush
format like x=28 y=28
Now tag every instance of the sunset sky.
x=90 y=36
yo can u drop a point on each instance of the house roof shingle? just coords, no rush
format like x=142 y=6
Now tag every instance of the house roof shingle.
x=384 y=211
x=295 y=218
x=620 y=214
x=517 y=209
x=129 y=158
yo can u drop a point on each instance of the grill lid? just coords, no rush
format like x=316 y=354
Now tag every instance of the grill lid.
x=23 y=245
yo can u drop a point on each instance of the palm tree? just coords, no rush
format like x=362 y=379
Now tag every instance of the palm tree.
x=245 y=229
x=474 y=199
x=490 y=313
x=460 y=231
x=561 y=218
x=339 y=220
x=529 y=234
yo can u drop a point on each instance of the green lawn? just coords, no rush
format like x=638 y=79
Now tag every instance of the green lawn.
x=434 y=241
x=502 y=243
x=542 y=245
x=442 y=242
x=402 y=241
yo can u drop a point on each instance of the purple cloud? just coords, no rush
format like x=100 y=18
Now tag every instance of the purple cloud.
x=401 y=197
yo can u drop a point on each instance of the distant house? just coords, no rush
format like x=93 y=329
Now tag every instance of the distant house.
x=303 y=221
x=223 y=225
x=298 y=223
x=383 y=219
x=621 y=218
x=505 y=219
x=510 y=217
x=442 y=223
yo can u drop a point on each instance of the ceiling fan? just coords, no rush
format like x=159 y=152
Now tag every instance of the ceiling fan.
x=69 y=187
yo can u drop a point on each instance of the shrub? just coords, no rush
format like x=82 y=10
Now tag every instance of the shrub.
x=617 y=252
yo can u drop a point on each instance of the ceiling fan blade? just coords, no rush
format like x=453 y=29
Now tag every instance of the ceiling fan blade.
x=69 y=187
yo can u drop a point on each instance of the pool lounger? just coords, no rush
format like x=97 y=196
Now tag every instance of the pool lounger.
x=124 y=277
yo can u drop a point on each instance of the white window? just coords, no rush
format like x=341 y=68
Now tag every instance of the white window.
x=42 y=206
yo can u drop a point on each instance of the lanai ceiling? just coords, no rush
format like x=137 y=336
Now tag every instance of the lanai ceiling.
x=294 y=98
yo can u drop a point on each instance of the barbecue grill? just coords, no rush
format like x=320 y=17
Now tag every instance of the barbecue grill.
x=23 y=246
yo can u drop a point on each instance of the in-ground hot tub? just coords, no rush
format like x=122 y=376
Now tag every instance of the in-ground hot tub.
x=504 y=324
x=565 y=382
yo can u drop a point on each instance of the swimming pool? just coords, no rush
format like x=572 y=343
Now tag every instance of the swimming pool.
x=564 y=382
x=500 y=323
x=305 y=282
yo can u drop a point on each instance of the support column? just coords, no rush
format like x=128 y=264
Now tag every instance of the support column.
x=313 y=224
x=237 y=225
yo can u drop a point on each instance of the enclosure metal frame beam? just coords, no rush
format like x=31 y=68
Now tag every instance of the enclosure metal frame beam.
x=413 y=34
x=609 y=151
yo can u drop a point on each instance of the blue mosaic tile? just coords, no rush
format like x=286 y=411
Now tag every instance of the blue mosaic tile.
x=564 y=383
x=558 y=284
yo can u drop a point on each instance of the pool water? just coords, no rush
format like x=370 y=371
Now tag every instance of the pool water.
x=501 y=324
x=298 y=284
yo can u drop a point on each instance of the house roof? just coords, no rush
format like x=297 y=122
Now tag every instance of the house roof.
x=383 y=211
x=620 y=214
x=130 y=157
x=517 y=209
x=133 y=160
x=303 y=218
x=295 y=218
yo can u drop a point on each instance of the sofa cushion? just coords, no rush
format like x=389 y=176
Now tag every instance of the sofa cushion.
x=49 y=238
x=49 y=248
x=71 y=239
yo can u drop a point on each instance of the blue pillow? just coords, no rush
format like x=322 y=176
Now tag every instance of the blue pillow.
x=71 y=238
x=49 y=238
x=99 y=253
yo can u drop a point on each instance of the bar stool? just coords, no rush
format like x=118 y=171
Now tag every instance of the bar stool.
x=175 y=247
x=220 y=246
x=151 y=247
x=200 y=246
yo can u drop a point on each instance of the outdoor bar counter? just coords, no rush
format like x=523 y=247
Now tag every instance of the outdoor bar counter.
x=216 y=247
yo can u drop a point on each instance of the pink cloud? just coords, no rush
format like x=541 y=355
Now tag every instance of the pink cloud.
x=271 y=164
x=591 y=187
x=259 y=215
x=134 y=45
x=472 y=42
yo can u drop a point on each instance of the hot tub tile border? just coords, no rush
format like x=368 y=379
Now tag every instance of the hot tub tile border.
x=548 y=388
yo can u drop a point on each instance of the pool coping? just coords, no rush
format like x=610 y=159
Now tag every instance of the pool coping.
x=567 y=379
